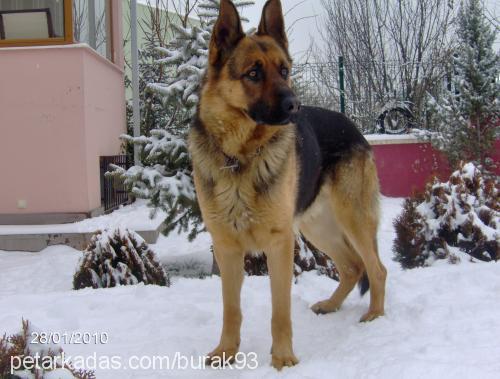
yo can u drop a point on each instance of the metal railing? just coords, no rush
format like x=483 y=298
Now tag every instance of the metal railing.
x=369 y=92
x=113 y=191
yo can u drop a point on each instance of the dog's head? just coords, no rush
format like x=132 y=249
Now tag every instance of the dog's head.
x=251 y=74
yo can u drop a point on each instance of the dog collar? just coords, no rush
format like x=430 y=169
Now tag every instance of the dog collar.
x=231 y=163
x=234 y=164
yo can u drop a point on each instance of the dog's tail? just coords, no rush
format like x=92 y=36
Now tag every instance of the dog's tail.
x=364 y=284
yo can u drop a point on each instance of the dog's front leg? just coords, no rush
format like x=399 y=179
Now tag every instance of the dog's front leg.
x=230 y=261
x=280 y=265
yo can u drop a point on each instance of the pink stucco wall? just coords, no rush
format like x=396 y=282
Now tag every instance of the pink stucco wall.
x=405 y=165
x=60 y=109
x=104 y=119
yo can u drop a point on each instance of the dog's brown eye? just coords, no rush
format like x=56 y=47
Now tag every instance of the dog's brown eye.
x=254 y=75
x=284 y=73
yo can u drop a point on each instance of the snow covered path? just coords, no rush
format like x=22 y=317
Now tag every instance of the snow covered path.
x=441 y=322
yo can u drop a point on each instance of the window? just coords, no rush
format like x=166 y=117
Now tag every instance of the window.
x=92 y=25
x=49 y=22
x=35 y=22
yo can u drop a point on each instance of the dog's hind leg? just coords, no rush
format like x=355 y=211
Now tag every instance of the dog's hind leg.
x=350 y=268
x=321 y=228
x=230 y=260
x=363 y=241
x=355 y=203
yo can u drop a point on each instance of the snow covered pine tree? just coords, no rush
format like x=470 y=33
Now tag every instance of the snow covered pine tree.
x=462 y=214
x=118 y=257
x=155 y=30
x=164 y=177
x=306 y=258
x=466 y=119
x=186 y=57
x=208 y=10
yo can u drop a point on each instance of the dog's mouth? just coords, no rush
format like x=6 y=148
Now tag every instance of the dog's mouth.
x=273 y=122
x=285 y=121
x=291 y=119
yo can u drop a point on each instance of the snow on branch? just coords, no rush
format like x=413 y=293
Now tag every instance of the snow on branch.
x=462 y=214
x=118 y=257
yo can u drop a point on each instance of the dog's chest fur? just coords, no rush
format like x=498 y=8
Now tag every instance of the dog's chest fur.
x=238 y=190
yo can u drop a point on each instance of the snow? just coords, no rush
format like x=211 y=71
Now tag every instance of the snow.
x=468 y=171
x=455 y=193
x=192 y=259
x=441 y=321
x=135 y=216
x=383 y=137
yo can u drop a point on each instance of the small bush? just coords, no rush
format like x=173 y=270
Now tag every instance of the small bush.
x=463 y=213
x=48 y=357
x=117 y=258
x=306 y=258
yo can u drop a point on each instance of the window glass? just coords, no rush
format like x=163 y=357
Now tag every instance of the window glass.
x=91 y=24
x=31 y=19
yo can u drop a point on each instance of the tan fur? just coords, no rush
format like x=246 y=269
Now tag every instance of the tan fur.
x=342 y=221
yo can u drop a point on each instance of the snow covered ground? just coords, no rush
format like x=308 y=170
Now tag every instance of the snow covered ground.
x=441 y=322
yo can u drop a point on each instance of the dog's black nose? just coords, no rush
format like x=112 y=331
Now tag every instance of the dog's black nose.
x=290 y=105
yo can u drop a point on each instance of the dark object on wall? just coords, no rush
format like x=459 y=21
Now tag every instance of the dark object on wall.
x=26 y=24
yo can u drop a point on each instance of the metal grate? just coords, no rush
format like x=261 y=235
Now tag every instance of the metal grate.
x=113 y=191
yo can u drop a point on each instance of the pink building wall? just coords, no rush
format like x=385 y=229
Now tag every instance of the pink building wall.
x=104 y=118
x=405 y=165
x=61 y=108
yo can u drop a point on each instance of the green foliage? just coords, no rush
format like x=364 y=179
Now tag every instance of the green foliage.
x=165 y=179
x=466 y=119
x=208 y=10
x=409 y=245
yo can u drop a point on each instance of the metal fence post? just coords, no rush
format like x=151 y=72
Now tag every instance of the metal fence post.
x=135 y=79
x=92 y=25
x=341 y=84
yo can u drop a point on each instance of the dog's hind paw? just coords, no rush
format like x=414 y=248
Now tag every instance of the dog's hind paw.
x=324 y=307
x=371 y=315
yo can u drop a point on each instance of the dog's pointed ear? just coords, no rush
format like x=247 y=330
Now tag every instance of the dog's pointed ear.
x=272 y=23
x=226 y=34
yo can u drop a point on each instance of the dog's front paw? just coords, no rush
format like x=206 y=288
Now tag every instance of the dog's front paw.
x=280 y=361
x=324 y=307
x=283 y=357
x=221 y=356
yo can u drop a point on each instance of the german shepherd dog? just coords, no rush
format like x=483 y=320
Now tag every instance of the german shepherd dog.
x=265 y=167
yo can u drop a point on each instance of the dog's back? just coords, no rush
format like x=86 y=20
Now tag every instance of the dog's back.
x=324 y=138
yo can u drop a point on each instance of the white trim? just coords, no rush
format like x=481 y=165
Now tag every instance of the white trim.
x=62 y=46
x=387 y=139
x=83 y=46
